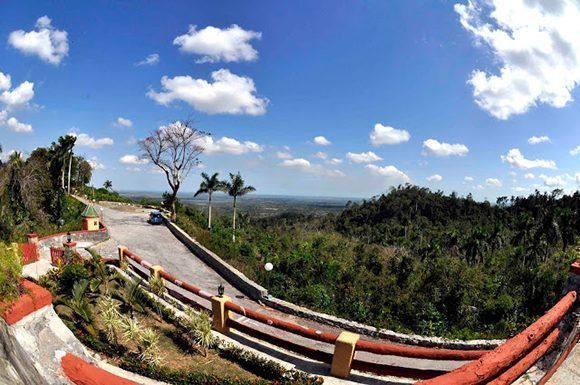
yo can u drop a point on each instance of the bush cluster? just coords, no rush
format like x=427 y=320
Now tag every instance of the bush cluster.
x=10 y=271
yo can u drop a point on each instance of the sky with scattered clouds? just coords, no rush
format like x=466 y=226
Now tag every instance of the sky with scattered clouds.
x=305 y=98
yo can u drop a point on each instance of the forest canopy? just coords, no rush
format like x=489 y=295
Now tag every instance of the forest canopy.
x=413 y=260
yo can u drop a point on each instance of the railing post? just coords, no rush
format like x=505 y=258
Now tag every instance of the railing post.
x=122 y=250
x=220 y=313
x=344 y=348
x=154 y=270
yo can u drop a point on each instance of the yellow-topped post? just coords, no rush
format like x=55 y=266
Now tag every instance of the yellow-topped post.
x=344 y=348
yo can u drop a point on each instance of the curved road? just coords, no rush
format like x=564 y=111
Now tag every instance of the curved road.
x=156 y=244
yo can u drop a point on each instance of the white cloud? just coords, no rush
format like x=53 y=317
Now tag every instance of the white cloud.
x=575 y=151
x=321 y=141
x=123 y=122
x=553 y=181
x=214 y=44
x=321 y=155
x=306 y=166
x=85 y=140
x=388 y=135
x=436 y=148
x=46 y=42
x=434 y=178
x=519 y=189
x=19 y=96
x=493 y=182
x=133 y=159
x=5 y=81
x=13 y=124
x=363 y=157
x=516 y=159
x=334 y=161
x=536 y=46
x=513 y=173
x=529 y=175
x=283 y=155
x=468 y=179
x=95 y=164
x=228 y=94
x=150 y=60
x=539 y=139
x=16 y=126
x=577 y=177
x=393 y=175
x=227 y=145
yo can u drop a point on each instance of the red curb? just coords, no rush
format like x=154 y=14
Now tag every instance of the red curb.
x=81 y=372
x=35 y=298
x=575 y=267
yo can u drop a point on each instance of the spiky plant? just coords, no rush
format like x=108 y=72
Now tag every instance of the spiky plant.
x=78 y=302
x=110 y=317
x=131 y=329
x=149 y=347
x=132 y=295
x=157 y=287
x=198 y=327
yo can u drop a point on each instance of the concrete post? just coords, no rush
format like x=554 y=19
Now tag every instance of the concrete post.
x=32 y=238
x=343 y=354
x=122 y=250
x=154 y=270
x=220 y=313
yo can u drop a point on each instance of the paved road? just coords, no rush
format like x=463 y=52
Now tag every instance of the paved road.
x=157 y=245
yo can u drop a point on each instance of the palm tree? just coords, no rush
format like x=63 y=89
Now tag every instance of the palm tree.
x=208 y=186
x=108 y=185
x=235 y=188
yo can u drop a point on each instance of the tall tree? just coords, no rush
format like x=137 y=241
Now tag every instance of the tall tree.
x=174 y=149
x=209 y=185
x=235 y=188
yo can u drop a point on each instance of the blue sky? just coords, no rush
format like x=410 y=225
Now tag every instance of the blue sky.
x=441 y=94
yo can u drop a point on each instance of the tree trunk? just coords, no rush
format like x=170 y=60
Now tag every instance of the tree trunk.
x=173 y=208
x=234 y=222
x=69 y=169
x=209 y=213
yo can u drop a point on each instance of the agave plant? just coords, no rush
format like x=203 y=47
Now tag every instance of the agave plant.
x=131 y=329
x=157 y=286
x=149 y=347
x=198 y=327
x=110 y=317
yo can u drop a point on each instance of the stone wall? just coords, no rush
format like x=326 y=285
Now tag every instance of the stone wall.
x=82 y=236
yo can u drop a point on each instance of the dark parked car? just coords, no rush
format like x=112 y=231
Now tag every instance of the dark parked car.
x=155 y=218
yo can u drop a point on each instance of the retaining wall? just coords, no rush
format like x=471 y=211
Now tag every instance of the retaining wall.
x=232 y=275
x=56 y=240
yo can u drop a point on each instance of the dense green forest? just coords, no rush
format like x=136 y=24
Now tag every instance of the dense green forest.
x=412 y=260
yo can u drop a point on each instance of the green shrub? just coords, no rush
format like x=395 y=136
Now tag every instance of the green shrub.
x=10 y=271
x=70 y=274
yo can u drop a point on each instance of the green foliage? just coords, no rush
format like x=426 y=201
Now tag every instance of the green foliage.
x=71 y=274
x=78 y=302
x=102 y=194
x=198 y=327
x=413 y=260
x=10 y=271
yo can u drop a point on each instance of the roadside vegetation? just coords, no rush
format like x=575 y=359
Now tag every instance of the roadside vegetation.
x=34 y=190
x=411 y=260
x=10 y=273
x=116 y=316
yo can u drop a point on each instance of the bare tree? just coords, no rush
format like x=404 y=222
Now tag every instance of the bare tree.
x=174 y=149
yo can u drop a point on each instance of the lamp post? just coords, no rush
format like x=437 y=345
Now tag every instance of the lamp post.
x=268 y=266
x=221 y=290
